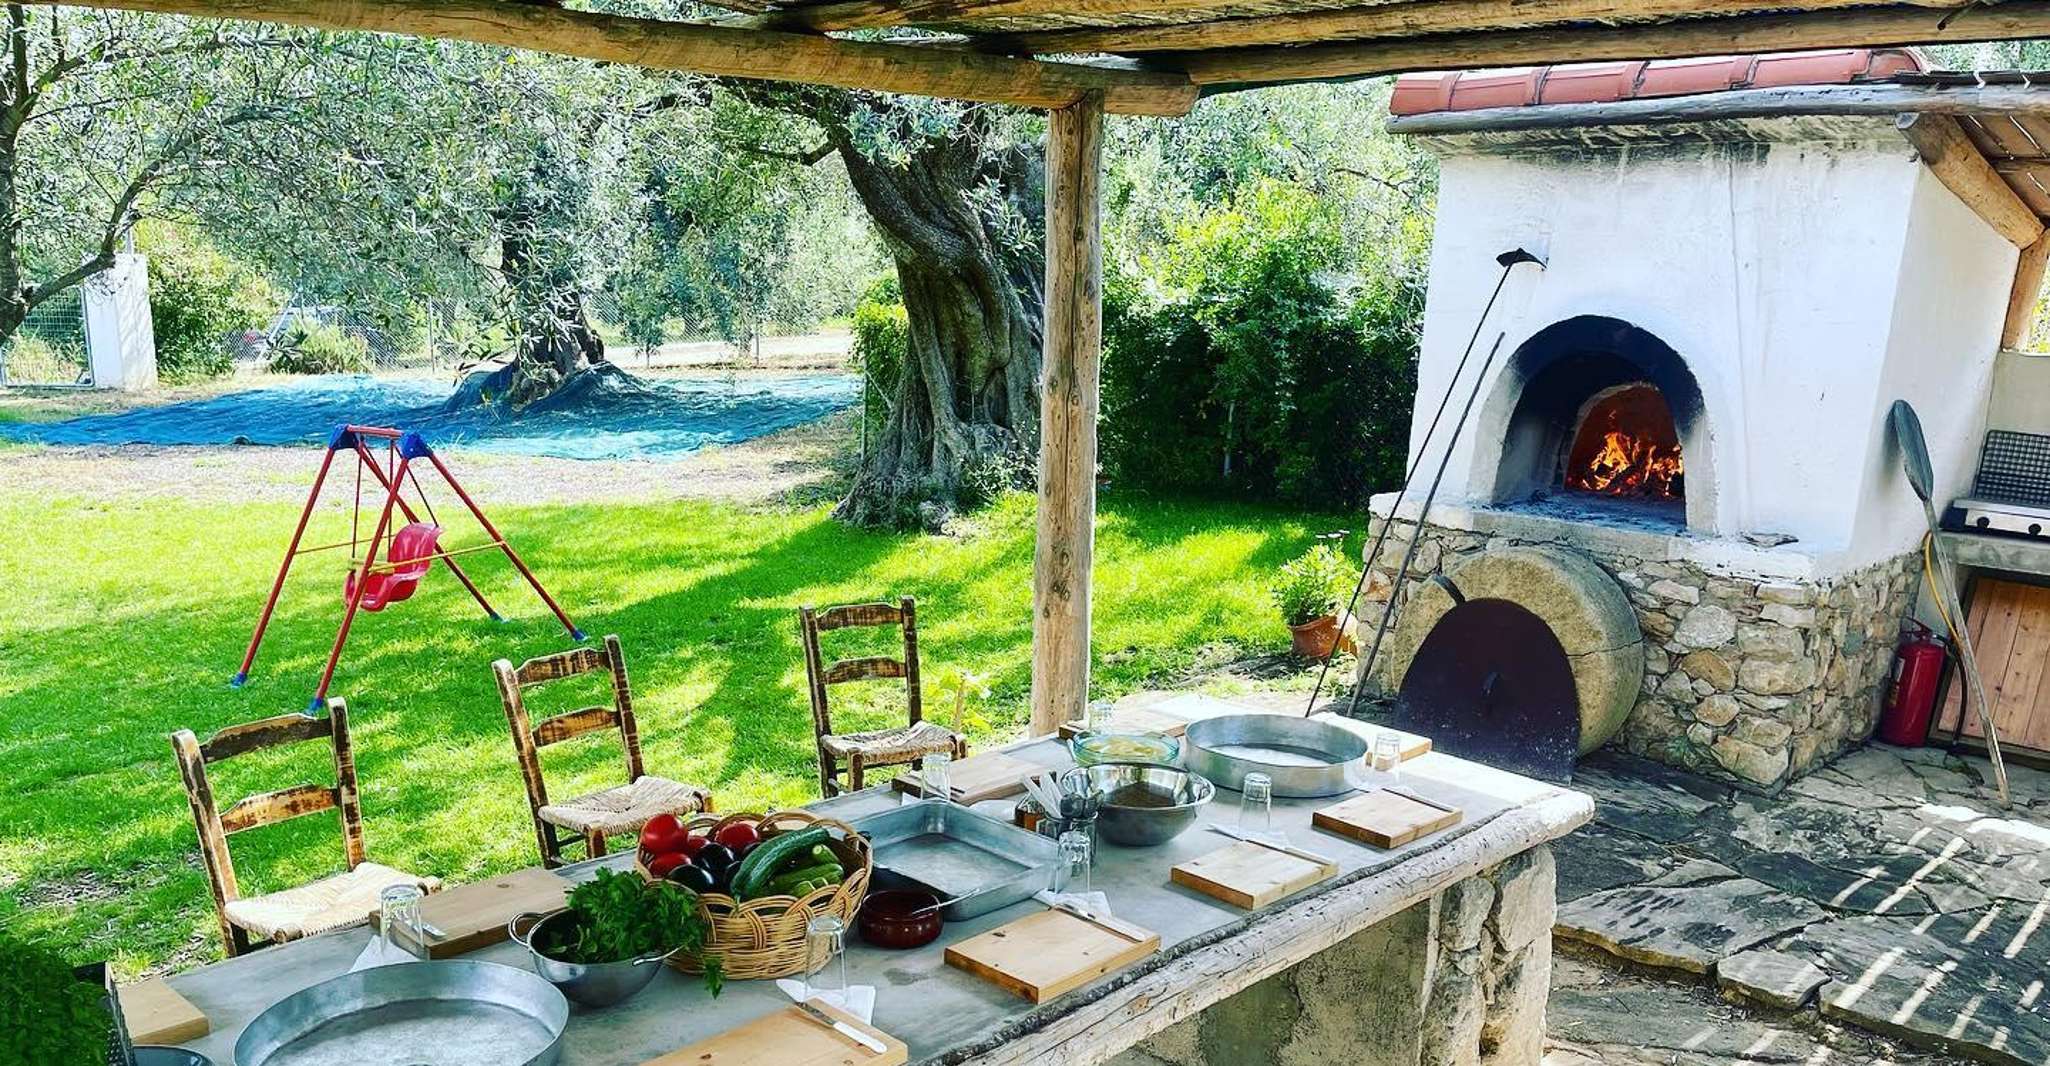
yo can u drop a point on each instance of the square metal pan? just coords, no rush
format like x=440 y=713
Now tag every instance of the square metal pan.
x=953 y=852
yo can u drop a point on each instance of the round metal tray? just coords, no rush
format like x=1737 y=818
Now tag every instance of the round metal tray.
x=447 y=1013
x=1304 y=758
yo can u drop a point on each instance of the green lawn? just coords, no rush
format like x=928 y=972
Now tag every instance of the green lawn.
x=123 y=621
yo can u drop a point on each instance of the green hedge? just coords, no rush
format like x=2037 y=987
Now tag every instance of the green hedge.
x=1246 y=358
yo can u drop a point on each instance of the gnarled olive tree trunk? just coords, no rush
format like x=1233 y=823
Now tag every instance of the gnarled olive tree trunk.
x=969 y=392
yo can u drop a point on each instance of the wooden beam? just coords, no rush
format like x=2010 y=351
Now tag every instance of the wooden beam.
x=2024 y=295
x=723 y=51
x=1871 y=27
x=1397 y=20
x=1956 y=162
x=878 y=14
x=1065 y=550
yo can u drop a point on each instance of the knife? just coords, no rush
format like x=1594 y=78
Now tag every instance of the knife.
x=1285 y=849
x=841 y=1027
x=1124 y=929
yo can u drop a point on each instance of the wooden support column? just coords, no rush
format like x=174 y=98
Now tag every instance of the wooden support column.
x=1066 y=543
x=2021 y=298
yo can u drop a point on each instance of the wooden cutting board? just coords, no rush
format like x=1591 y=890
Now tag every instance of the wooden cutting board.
x=990 y=775
x=156 y=1014
x=1052 y=952
x=1250 y=875
x=474 y=915
x=1385 y=819
x=1136 y=720
x=789 y=1038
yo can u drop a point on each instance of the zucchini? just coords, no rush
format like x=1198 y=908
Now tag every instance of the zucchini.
x=753 y=871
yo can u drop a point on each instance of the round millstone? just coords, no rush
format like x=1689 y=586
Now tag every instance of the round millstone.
x=1586 y=609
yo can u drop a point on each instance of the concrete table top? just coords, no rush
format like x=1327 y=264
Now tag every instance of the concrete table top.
x=1208 y=949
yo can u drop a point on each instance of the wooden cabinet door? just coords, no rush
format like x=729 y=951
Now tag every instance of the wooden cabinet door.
x=2010 y=627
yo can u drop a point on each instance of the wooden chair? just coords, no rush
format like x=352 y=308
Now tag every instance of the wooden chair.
x=330 y=903
x=895 y=746
x=608 y=812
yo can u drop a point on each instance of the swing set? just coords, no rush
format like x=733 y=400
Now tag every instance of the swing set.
x=391 y=562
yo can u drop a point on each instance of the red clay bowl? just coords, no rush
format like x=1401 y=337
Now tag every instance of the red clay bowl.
x=890 y=919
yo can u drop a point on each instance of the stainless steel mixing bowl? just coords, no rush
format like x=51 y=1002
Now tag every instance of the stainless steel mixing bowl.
x=1158 y=802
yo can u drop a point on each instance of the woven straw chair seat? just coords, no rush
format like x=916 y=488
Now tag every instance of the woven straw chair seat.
x=326 y=904
x=892 y=745
x=627 y=808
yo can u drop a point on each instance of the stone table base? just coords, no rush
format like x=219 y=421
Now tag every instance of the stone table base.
x=1459 y=979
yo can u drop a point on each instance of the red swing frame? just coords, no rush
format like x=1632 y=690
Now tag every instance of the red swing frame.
x=403 y=449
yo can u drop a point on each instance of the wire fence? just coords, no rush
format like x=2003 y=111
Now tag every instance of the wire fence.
x=50 y=347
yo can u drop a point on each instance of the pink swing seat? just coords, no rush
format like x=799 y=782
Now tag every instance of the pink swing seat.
x=412 y=552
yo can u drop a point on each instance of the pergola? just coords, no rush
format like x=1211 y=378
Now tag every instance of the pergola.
x=1144 y=57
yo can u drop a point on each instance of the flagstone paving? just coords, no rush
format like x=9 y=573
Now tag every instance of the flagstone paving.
x=1891 y=873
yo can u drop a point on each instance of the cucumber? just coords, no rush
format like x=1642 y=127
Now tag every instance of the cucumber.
x=802 y=882
x=753 y=871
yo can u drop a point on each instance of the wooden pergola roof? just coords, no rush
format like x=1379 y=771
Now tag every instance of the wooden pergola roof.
x=1149 y=57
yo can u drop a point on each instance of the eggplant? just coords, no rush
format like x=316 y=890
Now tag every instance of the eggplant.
x=695 y=878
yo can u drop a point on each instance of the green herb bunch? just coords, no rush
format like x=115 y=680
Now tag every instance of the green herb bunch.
x=618 y=916
x=47 y=1015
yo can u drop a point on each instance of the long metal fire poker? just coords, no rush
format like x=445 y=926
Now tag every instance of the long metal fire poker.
x=1509 y=260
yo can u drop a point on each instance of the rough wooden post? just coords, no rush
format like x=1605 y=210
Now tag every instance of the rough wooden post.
x=1067 y=419
x=2021 y=300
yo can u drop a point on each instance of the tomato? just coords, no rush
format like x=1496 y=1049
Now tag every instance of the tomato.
x=695 y=843
x=662 y=864
x=662 y=835
x=738 y=835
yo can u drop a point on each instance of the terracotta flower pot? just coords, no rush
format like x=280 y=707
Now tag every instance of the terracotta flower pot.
x=1314 y=638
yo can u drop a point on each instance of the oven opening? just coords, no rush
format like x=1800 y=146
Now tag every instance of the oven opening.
x=1626 y=445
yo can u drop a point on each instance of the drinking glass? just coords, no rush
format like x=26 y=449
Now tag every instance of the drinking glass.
x=1096 y=717
x=1072 y=875
x=399 y=926
x=934 y=775
x=825 y=937
x=1256 y=805
x=1388 y=757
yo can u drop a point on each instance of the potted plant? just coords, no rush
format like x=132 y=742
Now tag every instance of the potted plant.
x=1306 y=594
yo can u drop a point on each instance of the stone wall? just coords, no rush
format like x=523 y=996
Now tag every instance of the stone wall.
x=1459 y=979
x=1750 y=681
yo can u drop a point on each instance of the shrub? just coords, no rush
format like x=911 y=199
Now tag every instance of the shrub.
x=199 y=300
x=1309 y=586
x=48 y=1016
x=319 y=348
x=882 y=343
x=1241 y=360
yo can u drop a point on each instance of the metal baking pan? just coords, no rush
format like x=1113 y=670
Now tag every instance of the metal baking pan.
x=1304 y=758
x=453 y=1012
x=955 y=853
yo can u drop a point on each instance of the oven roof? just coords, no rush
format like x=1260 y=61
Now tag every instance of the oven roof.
x=1979 y=131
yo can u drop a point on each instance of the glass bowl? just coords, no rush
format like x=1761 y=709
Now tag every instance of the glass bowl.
x=1125 y=747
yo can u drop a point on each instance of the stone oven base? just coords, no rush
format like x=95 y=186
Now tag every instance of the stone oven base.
x=1752 y=681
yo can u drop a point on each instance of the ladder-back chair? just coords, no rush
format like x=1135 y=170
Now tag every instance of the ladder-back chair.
x=896 y=746
x=330 y=903
x=597 y=815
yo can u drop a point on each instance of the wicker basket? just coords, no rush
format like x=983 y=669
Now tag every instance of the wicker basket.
x=764 y=938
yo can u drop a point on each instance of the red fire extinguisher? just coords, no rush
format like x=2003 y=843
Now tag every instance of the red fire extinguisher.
x=1911 y=699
